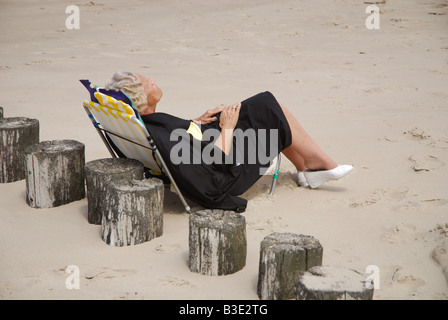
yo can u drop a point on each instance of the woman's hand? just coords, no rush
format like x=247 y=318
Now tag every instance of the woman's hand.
x=227 y=122
x=229 y=116
x=209 y=115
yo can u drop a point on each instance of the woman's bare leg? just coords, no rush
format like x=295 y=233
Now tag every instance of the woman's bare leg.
x=295 y=158
x=304 y=152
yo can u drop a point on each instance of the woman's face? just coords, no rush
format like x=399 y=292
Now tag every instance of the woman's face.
x=153 y=92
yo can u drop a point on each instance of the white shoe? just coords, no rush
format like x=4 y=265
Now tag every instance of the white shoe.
x=301 y=179
x=316 y=178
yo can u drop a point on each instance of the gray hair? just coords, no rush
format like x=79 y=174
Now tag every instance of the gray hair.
x=129 y=83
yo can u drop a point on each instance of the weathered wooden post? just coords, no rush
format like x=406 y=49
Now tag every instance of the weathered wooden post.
x=16 y=134
x=333 y=283
x=283 y=257
x=54 y=173
x=217 y=242
x=99 y=173
x=1 y=112
x=133 y=212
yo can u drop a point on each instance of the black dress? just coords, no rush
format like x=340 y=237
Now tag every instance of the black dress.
x=262 y=128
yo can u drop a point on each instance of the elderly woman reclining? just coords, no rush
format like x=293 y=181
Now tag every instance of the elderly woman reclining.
x=218 y=156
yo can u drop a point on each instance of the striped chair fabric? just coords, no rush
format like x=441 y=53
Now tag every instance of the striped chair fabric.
x=119 y=118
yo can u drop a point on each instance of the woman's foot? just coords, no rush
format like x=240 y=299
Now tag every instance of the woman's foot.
x=301 y=179
x=315 y=178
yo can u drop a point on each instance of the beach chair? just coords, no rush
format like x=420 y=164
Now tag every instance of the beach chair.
x=121 y=129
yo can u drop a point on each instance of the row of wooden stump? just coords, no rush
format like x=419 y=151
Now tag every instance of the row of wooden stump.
x=129 y=209
x=290 y=265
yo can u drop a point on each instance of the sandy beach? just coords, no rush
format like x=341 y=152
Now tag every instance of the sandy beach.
x=376 y=99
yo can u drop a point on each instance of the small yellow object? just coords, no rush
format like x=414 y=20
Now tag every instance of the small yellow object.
x=195 y=131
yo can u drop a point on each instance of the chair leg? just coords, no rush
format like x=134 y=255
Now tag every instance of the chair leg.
x=182 y=199
x=275 y=177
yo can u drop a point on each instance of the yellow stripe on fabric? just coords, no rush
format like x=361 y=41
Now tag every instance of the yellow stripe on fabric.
x=125 y=130
x=195 y=131
x=139 y=138
x=87 y=104
x=128 y=110
x=102 y=114
x=91 y=105
x=114 y=124
x=123 y=110
x=133 y=132
x=109 y=102
x=119 y=108
x=114 y=115
x=102 y=105
x=123 y=145
x=111 y=106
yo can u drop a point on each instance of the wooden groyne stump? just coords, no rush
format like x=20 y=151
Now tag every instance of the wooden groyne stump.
x=16 y=134
x=133 y=212
x=283 y=257
x=333 y=283
x=217 y=242
x=1 y=112
x=99 y=174
x=54 y=173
